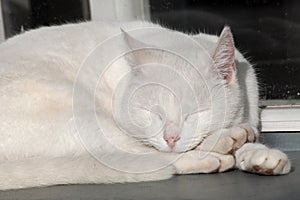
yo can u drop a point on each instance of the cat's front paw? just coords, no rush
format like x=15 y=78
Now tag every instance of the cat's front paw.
x=240 y=135
x=203 y=162
x=262 y=160
x=228 y=141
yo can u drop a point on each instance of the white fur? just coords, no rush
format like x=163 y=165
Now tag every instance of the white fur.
x=39 y=144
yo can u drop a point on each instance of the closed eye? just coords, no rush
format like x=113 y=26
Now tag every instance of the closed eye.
x=151 y=111
x=186 y=116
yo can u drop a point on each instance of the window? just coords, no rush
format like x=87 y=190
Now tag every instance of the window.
x=267 y=32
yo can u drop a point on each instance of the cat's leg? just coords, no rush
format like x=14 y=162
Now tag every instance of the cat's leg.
x=257 y=158
x=196 y=161
x=227 y=141
x=39 y=172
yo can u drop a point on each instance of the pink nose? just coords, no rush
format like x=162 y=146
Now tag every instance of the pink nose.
x=171 y=140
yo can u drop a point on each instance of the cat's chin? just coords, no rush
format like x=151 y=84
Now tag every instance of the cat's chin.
x=174 y=150
x=168 y=151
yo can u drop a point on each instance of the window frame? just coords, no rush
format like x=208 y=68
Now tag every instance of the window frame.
x=276 y=115
x=280 y=118
x=120 y=10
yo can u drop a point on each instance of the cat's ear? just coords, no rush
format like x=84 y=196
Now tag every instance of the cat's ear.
x=140 y=52
x=223 y=56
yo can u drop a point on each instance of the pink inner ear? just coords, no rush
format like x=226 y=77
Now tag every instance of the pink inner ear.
x=223 y=56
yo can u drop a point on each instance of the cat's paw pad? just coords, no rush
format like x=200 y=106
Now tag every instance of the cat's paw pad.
x=265 y=161
x=195 y=162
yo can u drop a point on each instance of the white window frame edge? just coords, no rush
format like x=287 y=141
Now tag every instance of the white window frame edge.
x=120 y=10
x=285 y=118
x=2 y=36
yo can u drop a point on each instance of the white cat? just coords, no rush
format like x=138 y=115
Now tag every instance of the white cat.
x=101 y=102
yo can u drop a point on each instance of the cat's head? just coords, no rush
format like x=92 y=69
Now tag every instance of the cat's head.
x=171 y=104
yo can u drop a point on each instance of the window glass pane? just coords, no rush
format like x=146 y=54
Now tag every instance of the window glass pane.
x=20 y=15
x=267 y=32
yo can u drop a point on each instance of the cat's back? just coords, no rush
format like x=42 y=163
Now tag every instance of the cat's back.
x=70 y=42
x=43 y=63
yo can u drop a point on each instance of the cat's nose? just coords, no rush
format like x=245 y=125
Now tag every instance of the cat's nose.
x=171 y=140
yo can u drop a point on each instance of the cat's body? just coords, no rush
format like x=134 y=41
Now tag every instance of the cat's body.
x=39 y=140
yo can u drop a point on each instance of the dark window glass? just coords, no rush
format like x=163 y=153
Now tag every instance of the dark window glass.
x=20 y=15
x=266 y=31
